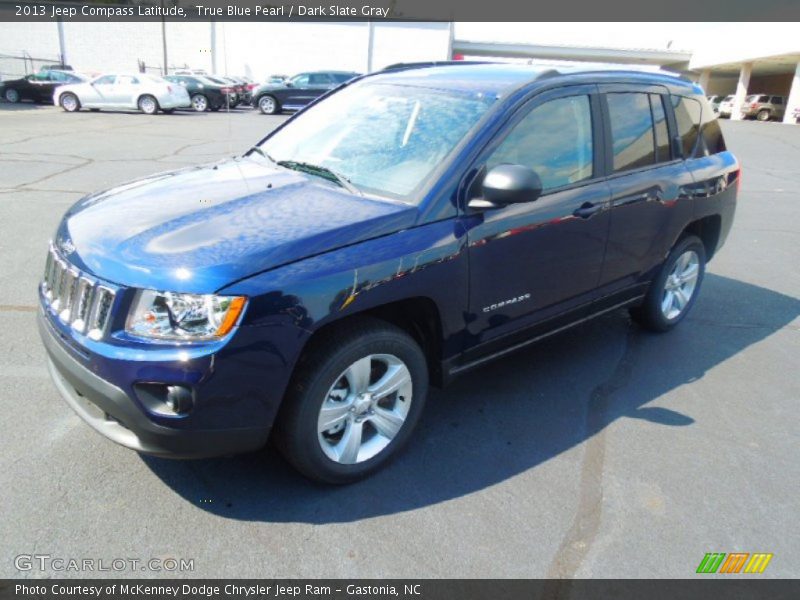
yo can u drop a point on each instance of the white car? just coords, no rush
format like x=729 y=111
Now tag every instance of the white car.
x=146 y=93
x=726 y=107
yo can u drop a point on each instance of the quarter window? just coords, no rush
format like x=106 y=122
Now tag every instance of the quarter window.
x=687 y=117
x=554 y=139
x=631 y=130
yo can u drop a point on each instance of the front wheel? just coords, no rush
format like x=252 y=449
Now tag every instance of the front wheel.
x=353 y=402
x=674 y=291
x=148 y=105
x=69 y=102
x=763 y=115
x=268 y=105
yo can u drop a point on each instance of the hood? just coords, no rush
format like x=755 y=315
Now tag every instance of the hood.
x=199 y=229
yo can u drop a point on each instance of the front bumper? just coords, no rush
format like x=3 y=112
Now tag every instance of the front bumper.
x=111 y=412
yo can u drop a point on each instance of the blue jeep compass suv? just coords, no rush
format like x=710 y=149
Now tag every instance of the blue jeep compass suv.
x=410 y=225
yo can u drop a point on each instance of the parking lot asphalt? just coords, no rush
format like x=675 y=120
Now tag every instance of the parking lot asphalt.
x=603 y=452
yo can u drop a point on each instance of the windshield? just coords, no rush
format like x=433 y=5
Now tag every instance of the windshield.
x=383 y=139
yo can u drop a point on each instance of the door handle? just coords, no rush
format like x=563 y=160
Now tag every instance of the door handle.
x=587 y=209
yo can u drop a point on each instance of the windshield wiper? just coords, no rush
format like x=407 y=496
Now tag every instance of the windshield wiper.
x=262 y=153
x=320 y=171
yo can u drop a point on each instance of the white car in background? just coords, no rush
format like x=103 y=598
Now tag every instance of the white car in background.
x=146 y=93
x=726 y=107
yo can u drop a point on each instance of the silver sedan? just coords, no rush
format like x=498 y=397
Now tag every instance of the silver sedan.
x=146 y=93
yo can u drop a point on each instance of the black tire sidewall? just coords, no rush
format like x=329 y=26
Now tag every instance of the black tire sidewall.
x=309 y=392
x=655 y=295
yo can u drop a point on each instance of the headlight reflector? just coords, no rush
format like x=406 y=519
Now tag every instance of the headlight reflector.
x=173 y=316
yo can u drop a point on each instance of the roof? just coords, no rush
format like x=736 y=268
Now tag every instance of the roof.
x=501 y=78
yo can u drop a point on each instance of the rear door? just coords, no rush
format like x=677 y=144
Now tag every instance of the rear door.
x=648 y=182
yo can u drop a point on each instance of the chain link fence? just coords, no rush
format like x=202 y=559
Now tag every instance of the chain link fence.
x=16 y=66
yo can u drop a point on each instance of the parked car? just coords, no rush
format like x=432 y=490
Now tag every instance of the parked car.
x=796 y=115
x=726 y=106
x=228 y=87
x=203 y=93
x=714 y=101
x=146 y=93
x=37 y=87
x=408 y=227
x=764 y=107
x=297 y=92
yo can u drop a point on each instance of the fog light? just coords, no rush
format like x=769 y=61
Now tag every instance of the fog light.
x=179 y=399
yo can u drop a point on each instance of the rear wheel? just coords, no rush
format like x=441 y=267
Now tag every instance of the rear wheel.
x=11 y=95
x=148 y=104
x=674 y=291
x=199 y=103
x=268 y=105
x=69 y=102
x=353 y=403
x=763 y=115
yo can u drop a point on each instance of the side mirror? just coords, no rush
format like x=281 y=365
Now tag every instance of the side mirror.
x=508 y=184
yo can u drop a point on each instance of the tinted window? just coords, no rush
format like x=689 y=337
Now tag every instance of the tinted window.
x=662 y=133
x=300 y=81
x=711 y=134
x=631 y=130
x=554 y=139
x=687 y=117
x=342 y=77
x=777 y=99
x=318 y=79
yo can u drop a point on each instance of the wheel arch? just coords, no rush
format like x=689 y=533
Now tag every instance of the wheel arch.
x=418 y=316
x=708 y=229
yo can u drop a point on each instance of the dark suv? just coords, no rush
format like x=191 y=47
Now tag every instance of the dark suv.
x=410 y=226
x=298 y=91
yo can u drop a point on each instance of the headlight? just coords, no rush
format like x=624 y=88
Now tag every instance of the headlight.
x=171 y=316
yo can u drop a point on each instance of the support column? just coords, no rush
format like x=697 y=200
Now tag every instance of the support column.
x=62 y=44
x=370 y=45
x=741 y=91
x=705 y=77
x=213 y=46
x=793 y=101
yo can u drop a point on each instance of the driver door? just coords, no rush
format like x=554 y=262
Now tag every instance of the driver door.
x=533 y=261
x=102 y=92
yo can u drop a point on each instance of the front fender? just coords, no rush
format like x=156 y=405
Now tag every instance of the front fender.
x=428 y=261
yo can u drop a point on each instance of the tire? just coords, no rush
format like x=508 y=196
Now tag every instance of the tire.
x=355 y=356
x=199 y=103
x=268 y=105
x=11 y=95
x=148 y=104
x=69 y=102
x=668 y=301
x=763 y=115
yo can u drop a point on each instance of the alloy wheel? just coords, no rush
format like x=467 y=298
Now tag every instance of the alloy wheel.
x=12 y=96
x=680 y=285
x=148 y=105
x=267 y=105
x=69 y=102
x=199 y=103
x=365 y=409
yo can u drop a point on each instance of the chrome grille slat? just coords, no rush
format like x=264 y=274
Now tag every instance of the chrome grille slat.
x=76 y=298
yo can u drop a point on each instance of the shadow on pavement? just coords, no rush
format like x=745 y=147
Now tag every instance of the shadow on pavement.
x=506 y=418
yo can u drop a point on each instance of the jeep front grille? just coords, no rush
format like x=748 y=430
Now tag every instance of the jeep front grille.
x=76 y=298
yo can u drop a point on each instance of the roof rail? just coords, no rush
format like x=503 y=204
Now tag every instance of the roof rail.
x=433 y=63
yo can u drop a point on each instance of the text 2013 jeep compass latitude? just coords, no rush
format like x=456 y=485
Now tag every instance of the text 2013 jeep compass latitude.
x=409 y=226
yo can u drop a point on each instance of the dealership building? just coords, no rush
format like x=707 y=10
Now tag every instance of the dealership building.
x=768 y=65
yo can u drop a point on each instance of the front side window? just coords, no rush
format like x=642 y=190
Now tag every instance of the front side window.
x=631 y=130
x=105 y=80
x=300 y=81
x=554 y=139
x=384 y=139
